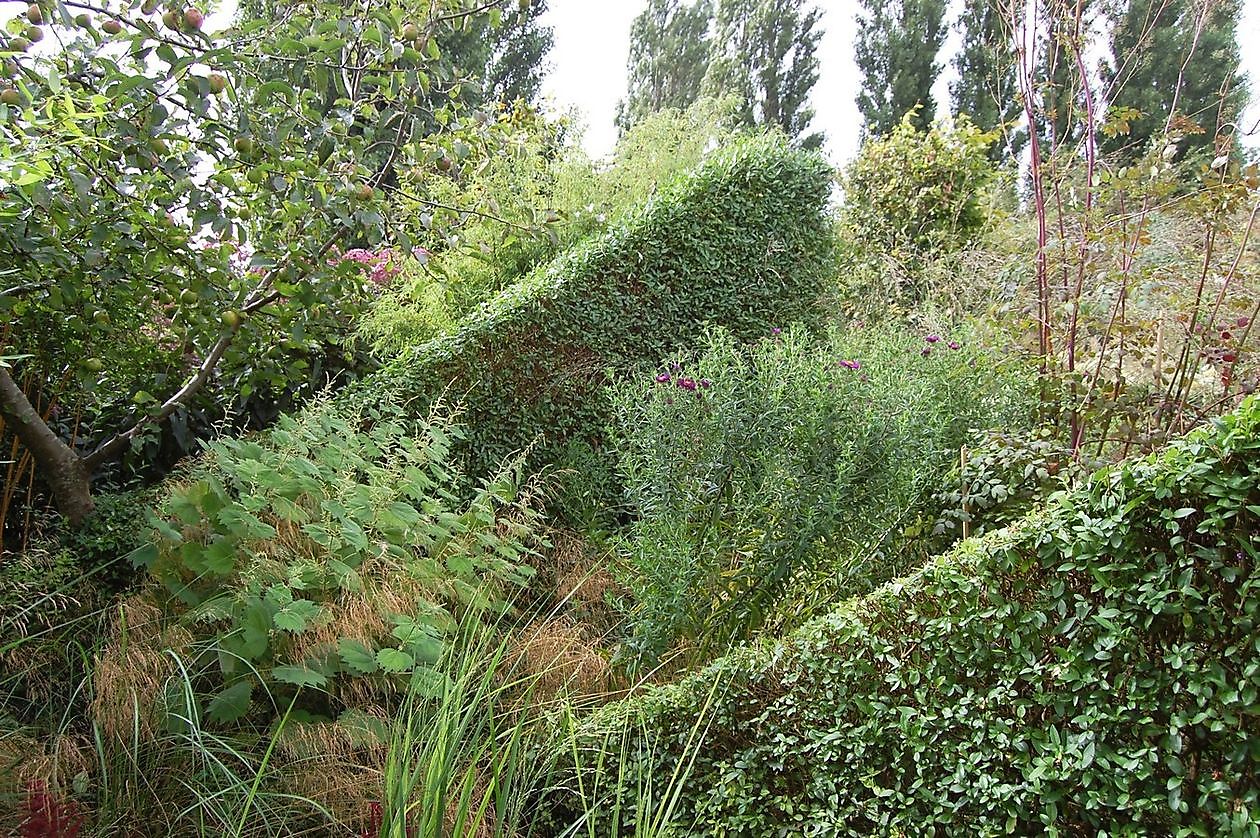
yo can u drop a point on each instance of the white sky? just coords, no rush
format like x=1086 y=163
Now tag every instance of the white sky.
x=592 y=43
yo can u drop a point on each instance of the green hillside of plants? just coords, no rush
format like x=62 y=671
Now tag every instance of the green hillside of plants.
x=384 y=454
x=1091 y=668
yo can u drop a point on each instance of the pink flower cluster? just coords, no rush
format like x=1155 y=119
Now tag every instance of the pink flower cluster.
x=381 y=265
x=932 y=340
x=683 y=382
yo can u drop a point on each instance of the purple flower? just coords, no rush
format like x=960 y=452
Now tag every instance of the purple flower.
x=776 y=331
x=687 y=383
x=851 y=365
x=706 y=383
x=953 y=344
x=663 y=378
x=933 y=338
x=927 y=350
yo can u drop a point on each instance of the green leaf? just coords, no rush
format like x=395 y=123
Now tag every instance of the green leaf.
x=300 y=676
x=231 y=703
x=395 y=660
x=356 y=656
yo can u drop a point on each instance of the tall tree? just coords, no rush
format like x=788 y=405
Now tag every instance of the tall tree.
x=1066 y=26
x=669 y=54
x=897 y=45
x=765 y=52
x=1177 y=62
x=985 y=89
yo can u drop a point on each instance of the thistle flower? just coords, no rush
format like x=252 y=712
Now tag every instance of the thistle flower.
x=663 y=378
x=953 y=344
x=933 y=338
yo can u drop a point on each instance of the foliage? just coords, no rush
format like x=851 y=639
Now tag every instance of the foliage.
x=749 y=467
x=985 y=87
x=669 y=54
x=1091 y=668
x=897 y=45
x=540 y=181
x=330 y=556
x=1177 y=65
x=172 y=204
x=765 y=52
x=741 y=242
x=1002 y=477
x=914 y=192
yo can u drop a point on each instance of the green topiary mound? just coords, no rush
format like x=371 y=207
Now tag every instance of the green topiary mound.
x=742 y=242
x=1095 y=667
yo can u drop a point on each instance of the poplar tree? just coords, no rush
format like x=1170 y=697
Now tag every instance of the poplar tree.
x=897 y=45
x=986 y=86
x=765 y=52
x=1177 y=63
x=669 y=55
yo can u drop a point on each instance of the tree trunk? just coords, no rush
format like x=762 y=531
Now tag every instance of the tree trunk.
x=63 y=470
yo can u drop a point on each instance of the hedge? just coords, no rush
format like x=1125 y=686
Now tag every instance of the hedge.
x=1093 y=669
x=743 y=242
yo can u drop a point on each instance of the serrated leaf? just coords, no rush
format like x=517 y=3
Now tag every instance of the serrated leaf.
x=300 y=676
x=394 y=660
x=356 y=656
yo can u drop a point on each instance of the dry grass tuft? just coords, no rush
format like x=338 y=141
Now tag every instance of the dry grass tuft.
x=559 y=657
x=134 y=667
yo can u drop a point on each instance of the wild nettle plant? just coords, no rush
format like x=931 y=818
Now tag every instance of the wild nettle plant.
x=331 y=557
x=752 y=467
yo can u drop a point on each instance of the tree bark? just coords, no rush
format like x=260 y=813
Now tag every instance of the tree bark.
x=66 y=474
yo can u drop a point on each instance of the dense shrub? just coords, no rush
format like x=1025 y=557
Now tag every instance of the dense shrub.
x=1003 y=476
x=1093 y=668
x=916 y=192
x=741 y=242
x=749 y=465
x=329 y=555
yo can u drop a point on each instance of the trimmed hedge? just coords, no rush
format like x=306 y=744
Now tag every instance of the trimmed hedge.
x=1095 y=667
x=742 y=242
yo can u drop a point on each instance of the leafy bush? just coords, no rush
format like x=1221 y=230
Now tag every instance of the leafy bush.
x=1092 y=668
x=742 y=242
x=330 y=555
x=751 y=465
x=1004 y=476
x=915 y=192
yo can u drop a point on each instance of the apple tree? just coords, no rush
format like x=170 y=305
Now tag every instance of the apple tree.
x=172 y=204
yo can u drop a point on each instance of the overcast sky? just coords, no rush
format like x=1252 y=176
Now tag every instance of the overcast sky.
x=592 y=42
